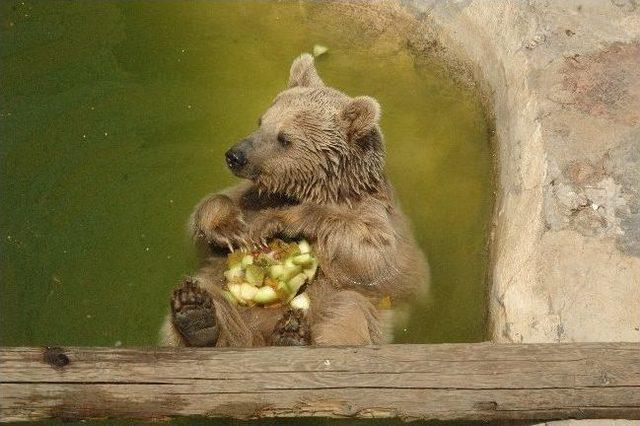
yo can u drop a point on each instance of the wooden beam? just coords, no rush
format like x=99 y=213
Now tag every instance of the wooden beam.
x=454 y=381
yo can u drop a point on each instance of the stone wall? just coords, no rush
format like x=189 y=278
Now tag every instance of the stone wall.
x=563 y=81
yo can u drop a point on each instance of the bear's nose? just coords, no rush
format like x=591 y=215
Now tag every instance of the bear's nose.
x=235 y=158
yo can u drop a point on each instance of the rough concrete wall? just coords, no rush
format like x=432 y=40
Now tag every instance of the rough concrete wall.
x=565 y=80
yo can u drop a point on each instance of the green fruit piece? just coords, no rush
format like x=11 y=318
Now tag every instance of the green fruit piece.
x=264 y=260
x=295 y=283
x=303 y=259
x=247 y=292
x=304 y=247
x=290 y=271
x=254 y=275
x=234 y=274
x=230 y=297
x=311 y=270
x=234 y=259
x=319 y=49
x=283 y=290
x=301 y=301
x=276 y=271
x=265 y=295
x=236 y=291
x=247 y=260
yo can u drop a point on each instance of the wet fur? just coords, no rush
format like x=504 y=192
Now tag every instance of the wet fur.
x=327 y=186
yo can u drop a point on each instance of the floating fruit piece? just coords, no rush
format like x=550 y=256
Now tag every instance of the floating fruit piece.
x=254 y=275
x=301 y=301
x=265 y=295
x=319 y=49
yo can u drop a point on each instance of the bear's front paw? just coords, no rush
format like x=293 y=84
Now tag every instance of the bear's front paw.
x=292 y=330
x=219 y=221
x=193 y=315
x=265 y=227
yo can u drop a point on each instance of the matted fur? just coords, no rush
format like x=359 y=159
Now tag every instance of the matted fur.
x=314 y=170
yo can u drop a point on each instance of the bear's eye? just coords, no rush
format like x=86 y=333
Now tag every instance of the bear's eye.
x=283 y=139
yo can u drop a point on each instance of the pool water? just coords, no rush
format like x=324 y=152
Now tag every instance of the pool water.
x=114 y=118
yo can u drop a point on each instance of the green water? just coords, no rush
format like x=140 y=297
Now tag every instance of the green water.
x=114 y=120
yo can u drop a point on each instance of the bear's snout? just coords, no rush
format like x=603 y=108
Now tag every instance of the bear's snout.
x=236 y=158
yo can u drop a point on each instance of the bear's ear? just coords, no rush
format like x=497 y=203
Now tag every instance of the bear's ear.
x=303 y=72
x=361 y=116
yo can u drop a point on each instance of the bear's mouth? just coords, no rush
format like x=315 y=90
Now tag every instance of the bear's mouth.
x=246 y=172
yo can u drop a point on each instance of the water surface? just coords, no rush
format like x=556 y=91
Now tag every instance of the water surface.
x=114 y=120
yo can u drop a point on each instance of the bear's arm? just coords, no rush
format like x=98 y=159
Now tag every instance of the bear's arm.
x=218 y=220
x=358 y=244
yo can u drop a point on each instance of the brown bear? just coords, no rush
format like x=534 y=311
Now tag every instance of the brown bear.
x=313 y=169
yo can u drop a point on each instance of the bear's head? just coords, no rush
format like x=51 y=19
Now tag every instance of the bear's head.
x=314 y=143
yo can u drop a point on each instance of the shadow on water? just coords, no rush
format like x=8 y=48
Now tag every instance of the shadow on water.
x=114 y=120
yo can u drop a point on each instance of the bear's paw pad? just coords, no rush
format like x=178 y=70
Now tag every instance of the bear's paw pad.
x=292 y=330
x=193 y=314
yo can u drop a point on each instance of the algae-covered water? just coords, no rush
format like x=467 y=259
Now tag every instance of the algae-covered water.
x=114 y=120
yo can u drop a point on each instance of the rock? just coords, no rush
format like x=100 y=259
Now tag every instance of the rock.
x=565 y=93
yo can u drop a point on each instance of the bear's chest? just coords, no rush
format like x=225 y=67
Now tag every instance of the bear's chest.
x=253 y=202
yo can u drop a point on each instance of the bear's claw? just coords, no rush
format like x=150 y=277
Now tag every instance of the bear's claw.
x=193 y=315
x=291 y=330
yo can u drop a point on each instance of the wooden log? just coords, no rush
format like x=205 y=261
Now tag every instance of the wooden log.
x=454 y=381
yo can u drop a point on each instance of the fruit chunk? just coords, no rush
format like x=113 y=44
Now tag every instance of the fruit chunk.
x=234 y=259
x=304 y=247
x=235 y=290
x=264 y=260
x=247 y=291
x=295 y=283
x=290 y=271
x=265 y=295
x=276 y=271
x=254 y=275
x=247 y=260
x=234 y=274
x=270 y=275
x=319 y=49
x=230 y=297
x=311 y=270
x=301 y=301
x=303 y=259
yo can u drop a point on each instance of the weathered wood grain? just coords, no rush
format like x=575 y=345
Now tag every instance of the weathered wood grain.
x=462 y=381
